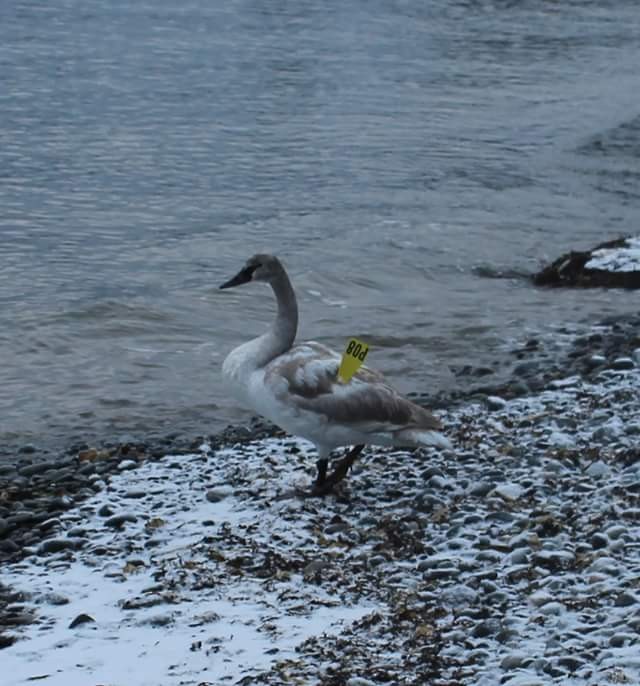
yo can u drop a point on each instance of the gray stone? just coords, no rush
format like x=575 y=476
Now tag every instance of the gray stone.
x=614 y=532
x=63 y=502
x=118 y=521
x=553 y=608
x=598 y=541
x=481 y=489
x=9 y=546
x=620 y=640
x=56 y=545
x=625 y=599
x=135 y=495
x=490 y=627
x=622 y=363
x=437 y=482
x=520 y=556
x=315 y=567
x=49 y=524
x=570 y=662
x=598 y=469
x=55 y=599
x=33 y=469
x=495 y=403
x=509 y=491
x=77 y=532
x=106 y=511
x=81 y=619
x=215 y=495
x=22 y=519
x=513 y=661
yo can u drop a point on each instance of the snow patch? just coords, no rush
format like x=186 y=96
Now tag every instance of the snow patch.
x=624 y=259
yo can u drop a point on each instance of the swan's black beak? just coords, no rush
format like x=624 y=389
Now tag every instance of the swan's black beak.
x=243 y=276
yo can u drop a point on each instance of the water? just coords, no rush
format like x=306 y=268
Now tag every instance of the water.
x=393 y=153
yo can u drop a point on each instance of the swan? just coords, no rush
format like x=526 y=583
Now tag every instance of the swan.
x=297 y=387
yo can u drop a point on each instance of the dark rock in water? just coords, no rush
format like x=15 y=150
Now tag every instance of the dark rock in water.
x=81 y=619
x=571 y=270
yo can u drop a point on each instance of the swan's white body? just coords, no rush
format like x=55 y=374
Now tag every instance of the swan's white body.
x=297 y=387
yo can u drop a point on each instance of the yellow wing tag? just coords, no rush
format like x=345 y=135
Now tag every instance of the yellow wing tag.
x=352 y=359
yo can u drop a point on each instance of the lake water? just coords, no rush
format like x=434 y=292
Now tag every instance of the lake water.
x=394 y=154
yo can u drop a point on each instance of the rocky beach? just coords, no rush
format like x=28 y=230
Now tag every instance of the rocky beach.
x=513 y=559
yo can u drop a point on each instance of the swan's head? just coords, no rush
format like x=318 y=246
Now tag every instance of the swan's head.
x=257 y=268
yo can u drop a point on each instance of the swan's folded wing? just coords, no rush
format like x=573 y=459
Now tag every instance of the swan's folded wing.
x=366 y=401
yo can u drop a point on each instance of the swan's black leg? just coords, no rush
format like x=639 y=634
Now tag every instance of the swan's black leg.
x=342 y=468
x=322 y=464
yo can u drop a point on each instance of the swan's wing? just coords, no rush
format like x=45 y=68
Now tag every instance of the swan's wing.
x=367 y=401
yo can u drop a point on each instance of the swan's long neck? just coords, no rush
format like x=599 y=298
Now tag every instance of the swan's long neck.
x=282 y=333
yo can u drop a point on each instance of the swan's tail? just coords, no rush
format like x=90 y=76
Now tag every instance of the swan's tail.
x=421 y=437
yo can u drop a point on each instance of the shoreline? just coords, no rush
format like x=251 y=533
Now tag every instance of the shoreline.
x=51 y=486
x=502 y=374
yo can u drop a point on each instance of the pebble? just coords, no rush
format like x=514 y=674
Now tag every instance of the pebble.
x=598 y=541
x=625 y=599
x=216 y=495
x=513 y=661
x=623 y=363
x=315 y=567
x=519 y=557
x=81 y=619
x=56 y=545
x=509 y=491
x=481 y=489
x=118 y=521
x=598 y=469
x=33 y=469
x=596 y=361
x=552 y=608
x=570 y=662
x=135 y=494
x=8 y=546
x=495 y=403
x=55 y=599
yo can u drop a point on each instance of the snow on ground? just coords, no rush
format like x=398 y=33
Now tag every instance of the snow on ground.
x=514 y=559
x=165 y=606
x=625 y=259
